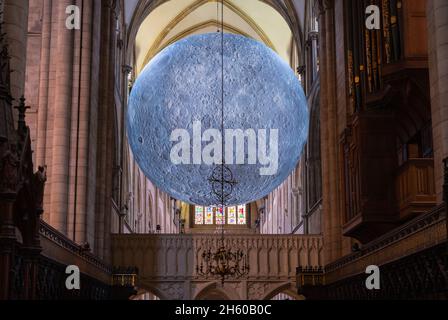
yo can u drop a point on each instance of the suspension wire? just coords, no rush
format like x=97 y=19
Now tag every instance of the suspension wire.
x=223 y=215
x=218 y=25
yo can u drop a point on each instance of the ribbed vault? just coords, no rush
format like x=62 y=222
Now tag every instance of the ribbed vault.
x=155 y=24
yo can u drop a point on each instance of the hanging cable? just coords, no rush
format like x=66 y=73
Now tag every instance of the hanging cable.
x=218 y=25
x=224 y=262
x=222 y=119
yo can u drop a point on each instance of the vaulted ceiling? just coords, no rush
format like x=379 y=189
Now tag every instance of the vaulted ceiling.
x=299 y=6
x=276 y=23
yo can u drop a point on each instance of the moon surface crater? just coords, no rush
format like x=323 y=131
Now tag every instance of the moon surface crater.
x=181 y=87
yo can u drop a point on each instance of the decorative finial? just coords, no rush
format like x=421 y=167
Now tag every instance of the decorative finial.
x=22 y=110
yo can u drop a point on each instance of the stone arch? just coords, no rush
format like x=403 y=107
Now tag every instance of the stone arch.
x=151 y=218
x=287 y=288
x=283 y=261
x=313 y=151
x=189 y=262
x=145 y=7
x=214 y=291
x=127 y=177
x=157 y=46
x=145 y=287
x=171 y=255
x=138 y=201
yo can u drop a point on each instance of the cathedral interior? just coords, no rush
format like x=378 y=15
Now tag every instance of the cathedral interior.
x=370 y=188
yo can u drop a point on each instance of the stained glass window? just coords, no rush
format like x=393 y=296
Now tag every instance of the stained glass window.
x=241 y=214
x=219 y=216
x=209 y=215
x=231 y=215
x=199 y=215
x=215 y=216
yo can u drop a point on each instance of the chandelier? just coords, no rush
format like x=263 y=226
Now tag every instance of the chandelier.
x=225 y=262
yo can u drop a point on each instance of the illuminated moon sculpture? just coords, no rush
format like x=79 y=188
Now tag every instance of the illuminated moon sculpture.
x=177 y=100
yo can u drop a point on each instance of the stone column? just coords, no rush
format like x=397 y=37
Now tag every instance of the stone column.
x=67 y=115
x=81 y=227
x=331 y=216
x=59 y=177
x=326 y=215
x=104 y=172
x=437 y=17
x=44 y=83
x=43 y=108
x=16 y=29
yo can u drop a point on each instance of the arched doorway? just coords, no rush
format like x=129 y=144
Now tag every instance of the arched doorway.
x=213 y=294
x=147 y=294
x=285 y=291
x=283 y=296
x=216 y=291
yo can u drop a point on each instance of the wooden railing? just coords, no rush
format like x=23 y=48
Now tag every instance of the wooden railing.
x=424 y=231
x=59 y=248
x=415 y=187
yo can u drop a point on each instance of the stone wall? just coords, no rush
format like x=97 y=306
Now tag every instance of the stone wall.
x=78 y=96
x=167 y=263
x=437 y=13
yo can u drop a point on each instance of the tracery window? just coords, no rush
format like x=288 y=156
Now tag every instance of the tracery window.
x=199 y=215
x=214 y=215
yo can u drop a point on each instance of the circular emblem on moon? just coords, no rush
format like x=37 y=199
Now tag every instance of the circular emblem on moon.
x=174 y=119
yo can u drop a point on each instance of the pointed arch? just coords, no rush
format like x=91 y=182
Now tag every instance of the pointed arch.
x=286 y=288
x=159 y=44
x=213 y=291
x=144 y=7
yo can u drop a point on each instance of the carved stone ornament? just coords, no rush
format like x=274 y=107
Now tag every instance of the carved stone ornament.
x=9 y=172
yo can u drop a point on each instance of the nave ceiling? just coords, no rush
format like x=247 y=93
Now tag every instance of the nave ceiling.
x=153 y=25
